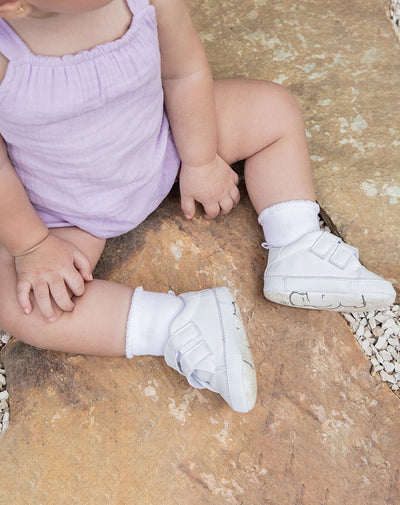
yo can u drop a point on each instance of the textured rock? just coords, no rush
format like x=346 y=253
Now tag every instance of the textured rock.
x=113 y=431
x=342 y=62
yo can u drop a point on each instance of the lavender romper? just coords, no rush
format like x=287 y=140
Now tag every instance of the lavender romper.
x=87 y=133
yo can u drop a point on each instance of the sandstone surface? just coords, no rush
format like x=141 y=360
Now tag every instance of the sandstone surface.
x=342 y=62
x=88 y=430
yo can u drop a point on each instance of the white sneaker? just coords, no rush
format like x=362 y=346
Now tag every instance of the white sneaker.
x=320 y=271
x=208 y=345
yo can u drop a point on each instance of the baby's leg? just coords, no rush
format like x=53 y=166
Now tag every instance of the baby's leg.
x=96 y=325
x=261 y=122
x=111 y=319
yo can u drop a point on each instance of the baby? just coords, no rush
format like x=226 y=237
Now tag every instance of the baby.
x=102 y=104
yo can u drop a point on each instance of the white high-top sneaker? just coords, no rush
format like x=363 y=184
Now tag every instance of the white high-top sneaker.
x=320 y=271
x=208 y=345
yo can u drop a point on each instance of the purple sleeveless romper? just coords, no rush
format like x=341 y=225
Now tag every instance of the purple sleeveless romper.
x=87 y=133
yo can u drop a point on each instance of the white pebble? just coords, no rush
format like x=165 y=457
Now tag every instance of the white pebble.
x=389 y=324
x=375 y=362
x=377 y=331
x=360 y=331
x=349 y=318
x=388 y=366
x=386 y=356
x=5 y=337
x=377 y=369
x=365 y=345
x=389 y=332
x=388 y=313
x=367 y=333
x=6 y=422
x=386 y=377
x=3 y=395
x=380 y=343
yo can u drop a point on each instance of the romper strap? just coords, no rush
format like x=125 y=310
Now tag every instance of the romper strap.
x=137 y=5
x=11 y=45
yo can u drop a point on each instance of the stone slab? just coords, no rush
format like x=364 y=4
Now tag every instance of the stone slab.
x=118 y=432
x=92 y=430
x=341 y=60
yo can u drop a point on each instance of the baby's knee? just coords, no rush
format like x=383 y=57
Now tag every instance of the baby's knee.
x=287 y=103
x=32 y=329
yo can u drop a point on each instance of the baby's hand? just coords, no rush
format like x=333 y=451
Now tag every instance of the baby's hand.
x=214 y=185
x=54 y=270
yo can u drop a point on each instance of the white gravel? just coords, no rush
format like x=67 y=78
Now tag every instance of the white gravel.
x=378 y=334
x=395 y=12
x=4 y=401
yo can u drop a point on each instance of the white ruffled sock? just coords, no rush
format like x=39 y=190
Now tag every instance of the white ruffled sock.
x=149 y=320
x=286 y=222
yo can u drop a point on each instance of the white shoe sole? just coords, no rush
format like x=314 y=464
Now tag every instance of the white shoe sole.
x=339 y=302
x=238 y=357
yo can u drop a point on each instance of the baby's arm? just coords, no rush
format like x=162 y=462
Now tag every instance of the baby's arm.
x=45 y=264
x=190 y=104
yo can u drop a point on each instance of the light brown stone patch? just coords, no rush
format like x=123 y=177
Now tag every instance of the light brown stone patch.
x=341 y=61
x=112 y=431
x=95 y=430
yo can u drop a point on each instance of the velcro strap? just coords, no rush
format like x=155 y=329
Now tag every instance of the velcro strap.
x=191 y=358
x=185 y=351
x=181 y=339
x=342 y=255
x=325 y=245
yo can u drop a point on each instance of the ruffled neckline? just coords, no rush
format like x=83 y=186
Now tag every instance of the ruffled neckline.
x=94 y=52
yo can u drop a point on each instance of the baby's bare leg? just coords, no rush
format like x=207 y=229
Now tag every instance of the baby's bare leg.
x=96 y=326
x=261 y=122
x=158 y=322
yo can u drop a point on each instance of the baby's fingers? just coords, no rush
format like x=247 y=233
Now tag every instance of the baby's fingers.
x=188 y=206
x=82 y=264
x=76 y=283
x=61 y=295
x=23 y=291
x=226 y=205
x=42 y=297
x=235 y=195
x=212 y=210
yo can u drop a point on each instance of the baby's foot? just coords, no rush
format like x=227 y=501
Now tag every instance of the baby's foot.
x=320 y=271
x=208 y=345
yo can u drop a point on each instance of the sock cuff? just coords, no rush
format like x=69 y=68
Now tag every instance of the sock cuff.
x=288 y=206
x=149 y=319
x=286 y=222
x=131 y=326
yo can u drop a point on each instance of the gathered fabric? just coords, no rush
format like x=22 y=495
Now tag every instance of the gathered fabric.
x=87 y=133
